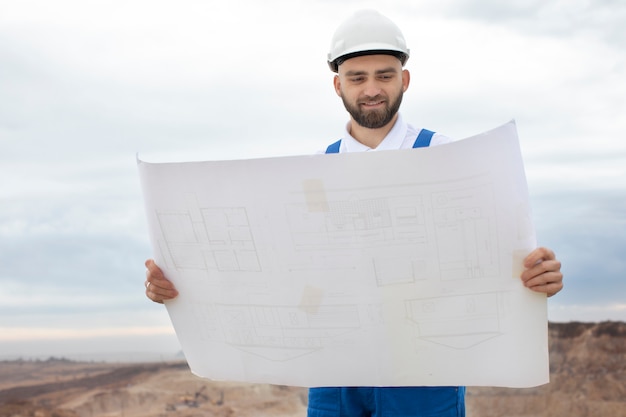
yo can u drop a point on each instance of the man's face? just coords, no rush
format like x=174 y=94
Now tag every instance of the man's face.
x=371 y=88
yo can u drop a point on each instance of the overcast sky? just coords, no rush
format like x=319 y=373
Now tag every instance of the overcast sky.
x=86 y=85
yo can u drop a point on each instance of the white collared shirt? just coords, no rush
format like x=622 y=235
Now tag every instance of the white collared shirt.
x=401 y=136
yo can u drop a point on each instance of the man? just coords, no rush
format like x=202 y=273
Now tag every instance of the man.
x=368 y=53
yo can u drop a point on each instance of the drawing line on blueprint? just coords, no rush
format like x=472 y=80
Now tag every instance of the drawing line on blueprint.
x=459 y=322
x=458 y=223
x=216 y=238
x=274 y=332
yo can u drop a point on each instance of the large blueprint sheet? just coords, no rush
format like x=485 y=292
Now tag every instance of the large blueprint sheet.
x=384 y=268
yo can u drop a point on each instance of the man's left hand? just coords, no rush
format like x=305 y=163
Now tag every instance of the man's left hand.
x=542 y=272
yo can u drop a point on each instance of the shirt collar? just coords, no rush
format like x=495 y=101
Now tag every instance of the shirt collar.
x=393 y=140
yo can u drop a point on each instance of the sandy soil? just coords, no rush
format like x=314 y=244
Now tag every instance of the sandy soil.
x=588 y=379
x=61 y=388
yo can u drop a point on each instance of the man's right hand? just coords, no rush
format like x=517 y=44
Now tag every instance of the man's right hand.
x=158 y=288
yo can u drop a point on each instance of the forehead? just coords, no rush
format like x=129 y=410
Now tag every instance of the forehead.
x=370 y=63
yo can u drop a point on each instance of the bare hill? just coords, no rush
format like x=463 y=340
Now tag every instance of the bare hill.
x=588 y=378
x=58 y=388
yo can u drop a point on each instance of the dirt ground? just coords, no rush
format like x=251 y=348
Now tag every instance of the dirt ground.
x=587 y=373
x=57 y=388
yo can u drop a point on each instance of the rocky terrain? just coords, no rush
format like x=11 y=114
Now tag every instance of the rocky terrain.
x=588 y=378
x=59 y=388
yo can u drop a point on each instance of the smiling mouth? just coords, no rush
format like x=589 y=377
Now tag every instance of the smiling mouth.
x=372 y=103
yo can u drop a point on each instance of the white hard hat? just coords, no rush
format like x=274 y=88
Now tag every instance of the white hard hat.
x=367 y=32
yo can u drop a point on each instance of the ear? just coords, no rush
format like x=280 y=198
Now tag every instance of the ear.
x=406 y=80
x=337 y=84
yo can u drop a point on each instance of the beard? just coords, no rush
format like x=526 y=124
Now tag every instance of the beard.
x=373 y=119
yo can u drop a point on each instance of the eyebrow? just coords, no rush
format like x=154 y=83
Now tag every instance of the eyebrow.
x=380 y=71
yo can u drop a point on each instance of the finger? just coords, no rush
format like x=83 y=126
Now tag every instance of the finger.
x=155 y=292
x=549 y=287
x=541 y=268
x=155 y=276
x=549 y=282
x=153 y=270
x=538 y=255
x=153 y=295
x=159 y=294
x=544 y=278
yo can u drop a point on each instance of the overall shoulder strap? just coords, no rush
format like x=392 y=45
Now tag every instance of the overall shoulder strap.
x=334 y=147
x=423 y=139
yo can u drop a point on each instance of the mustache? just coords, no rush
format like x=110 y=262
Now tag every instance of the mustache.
x=369 y=99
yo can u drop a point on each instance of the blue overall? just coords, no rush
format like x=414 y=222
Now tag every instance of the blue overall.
x=387 y=401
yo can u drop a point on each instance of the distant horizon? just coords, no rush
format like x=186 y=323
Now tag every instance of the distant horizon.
x=119 y=357
x=146 y=348
x=107 y=348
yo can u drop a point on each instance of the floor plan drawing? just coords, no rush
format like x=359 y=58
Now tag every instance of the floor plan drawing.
x=221 y=239
x=468 y=227
x=276 y=333
x=459 y=322
x=359 y=222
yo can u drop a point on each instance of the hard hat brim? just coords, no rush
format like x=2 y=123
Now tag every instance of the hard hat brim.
x=335 y=63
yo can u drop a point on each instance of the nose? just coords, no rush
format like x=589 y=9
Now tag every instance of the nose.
x=372 y=88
